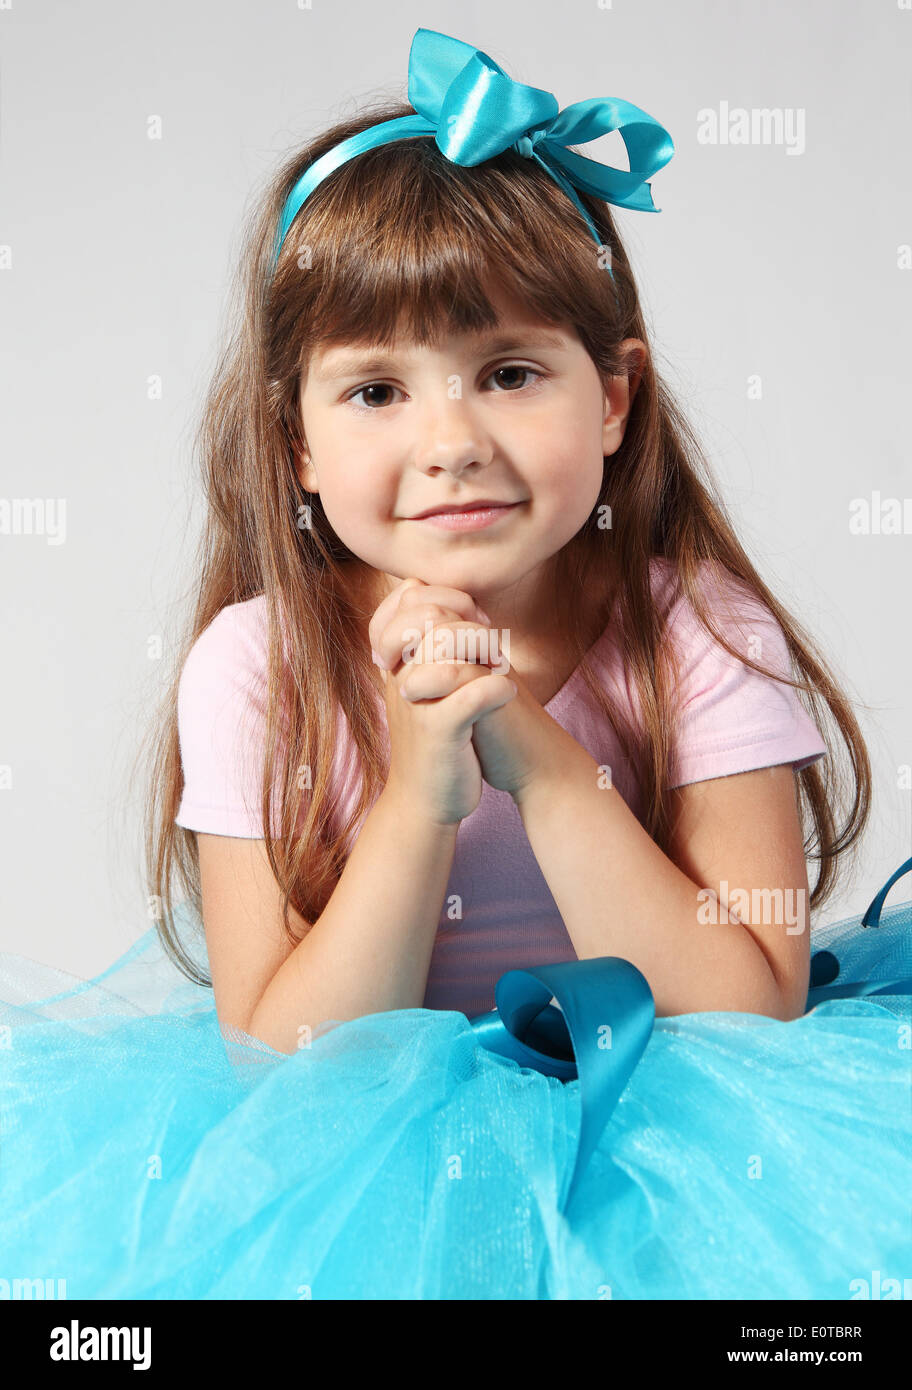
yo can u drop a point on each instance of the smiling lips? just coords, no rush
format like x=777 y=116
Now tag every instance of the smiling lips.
x=472 y=518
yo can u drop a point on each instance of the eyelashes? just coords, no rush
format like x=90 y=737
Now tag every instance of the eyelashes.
x=507 y=367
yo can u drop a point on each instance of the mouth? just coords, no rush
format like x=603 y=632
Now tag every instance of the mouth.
x=480 y=504
x=470 y=518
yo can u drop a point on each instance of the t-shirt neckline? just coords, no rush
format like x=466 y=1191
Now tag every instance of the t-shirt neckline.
x=568 y=690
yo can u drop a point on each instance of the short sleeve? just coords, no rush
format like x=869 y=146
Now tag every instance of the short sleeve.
x=733 y=719
x=221 y=715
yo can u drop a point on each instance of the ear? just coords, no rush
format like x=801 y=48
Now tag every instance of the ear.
x=619 y=393
x=307 y=474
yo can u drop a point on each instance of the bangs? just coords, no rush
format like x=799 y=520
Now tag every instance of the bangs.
x=401 y=243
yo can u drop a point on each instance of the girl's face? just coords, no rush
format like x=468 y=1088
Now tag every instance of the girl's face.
x=518 y=415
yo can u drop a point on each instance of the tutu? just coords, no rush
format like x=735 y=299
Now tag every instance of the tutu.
x=148 y=1153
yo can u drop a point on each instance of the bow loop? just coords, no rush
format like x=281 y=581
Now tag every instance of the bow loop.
x=485 y=112
x=435 y=61
x=598 y=1036
x=649 y=148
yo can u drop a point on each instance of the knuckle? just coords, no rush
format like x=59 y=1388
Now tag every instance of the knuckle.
x=433 y=610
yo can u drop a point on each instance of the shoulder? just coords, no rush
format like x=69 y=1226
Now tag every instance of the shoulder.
x=230 y=653
x=722 y=592
x=732 y=606
x=223 y=680
x=237 y=629
x=734 y=716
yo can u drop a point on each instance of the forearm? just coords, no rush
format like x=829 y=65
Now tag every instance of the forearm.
x=619 y=895
x=370 y=949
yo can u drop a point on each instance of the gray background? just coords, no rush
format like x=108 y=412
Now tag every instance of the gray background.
x=760 y=262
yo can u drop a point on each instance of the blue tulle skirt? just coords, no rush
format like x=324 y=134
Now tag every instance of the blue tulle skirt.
x=147 y=1153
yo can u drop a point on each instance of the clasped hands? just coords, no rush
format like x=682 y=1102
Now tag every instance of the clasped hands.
x=513 y=743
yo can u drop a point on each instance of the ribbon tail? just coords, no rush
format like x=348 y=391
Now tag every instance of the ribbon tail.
x=857 y=989
x=625 y=188
x=553 y=168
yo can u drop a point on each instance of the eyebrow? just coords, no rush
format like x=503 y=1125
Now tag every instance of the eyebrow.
x=356 y=363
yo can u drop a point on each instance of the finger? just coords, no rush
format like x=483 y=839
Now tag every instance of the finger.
x=436 y=680
x=408 y=629
x=435 y=636
x=385 y=610
x=475 y=698
x=447 y=602
x=404 y=631
x=459 y=599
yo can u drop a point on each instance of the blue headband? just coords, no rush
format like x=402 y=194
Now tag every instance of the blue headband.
x=474 y=111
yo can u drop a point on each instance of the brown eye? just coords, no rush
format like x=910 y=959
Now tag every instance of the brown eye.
x=507 y=371
x=374 y=386
x=511 y=385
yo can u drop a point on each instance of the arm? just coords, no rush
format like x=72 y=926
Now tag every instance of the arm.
x=369 y=950
x=619 y=894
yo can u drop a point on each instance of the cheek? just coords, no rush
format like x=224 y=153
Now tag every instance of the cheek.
x=571 y=474
x=358 y=491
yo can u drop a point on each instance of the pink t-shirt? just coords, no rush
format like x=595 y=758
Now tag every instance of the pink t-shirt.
x=734 y=720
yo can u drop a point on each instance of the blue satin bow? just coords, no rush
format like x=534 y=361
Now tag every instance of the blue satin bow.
x=605 y=1021
x=475 y=111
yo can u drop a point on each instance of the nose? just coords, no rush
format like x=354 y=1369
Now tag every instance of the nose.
x=450 y=439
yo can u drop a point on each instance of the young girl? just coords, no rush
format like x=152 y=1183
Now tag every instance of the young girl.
x=480 y=680
x=433 y=336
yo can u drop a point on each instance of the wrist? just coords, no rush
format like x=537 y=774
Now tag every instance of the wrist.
x=558 y=758
x=538 y=784
x=413 y=818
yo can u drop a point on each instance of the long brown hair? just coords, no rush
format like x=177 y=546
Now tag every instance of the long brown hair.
x=401 y=240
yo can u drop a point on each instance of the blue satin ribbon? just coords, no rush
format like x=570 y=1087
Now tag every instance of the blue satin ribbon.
x=475 y=111
x=825 y=966
x=605 y=1021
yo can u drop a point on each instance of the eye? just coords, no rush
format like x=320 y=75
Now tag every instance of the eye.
x=516 y=367
x=385 y=386
x=372 y=386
